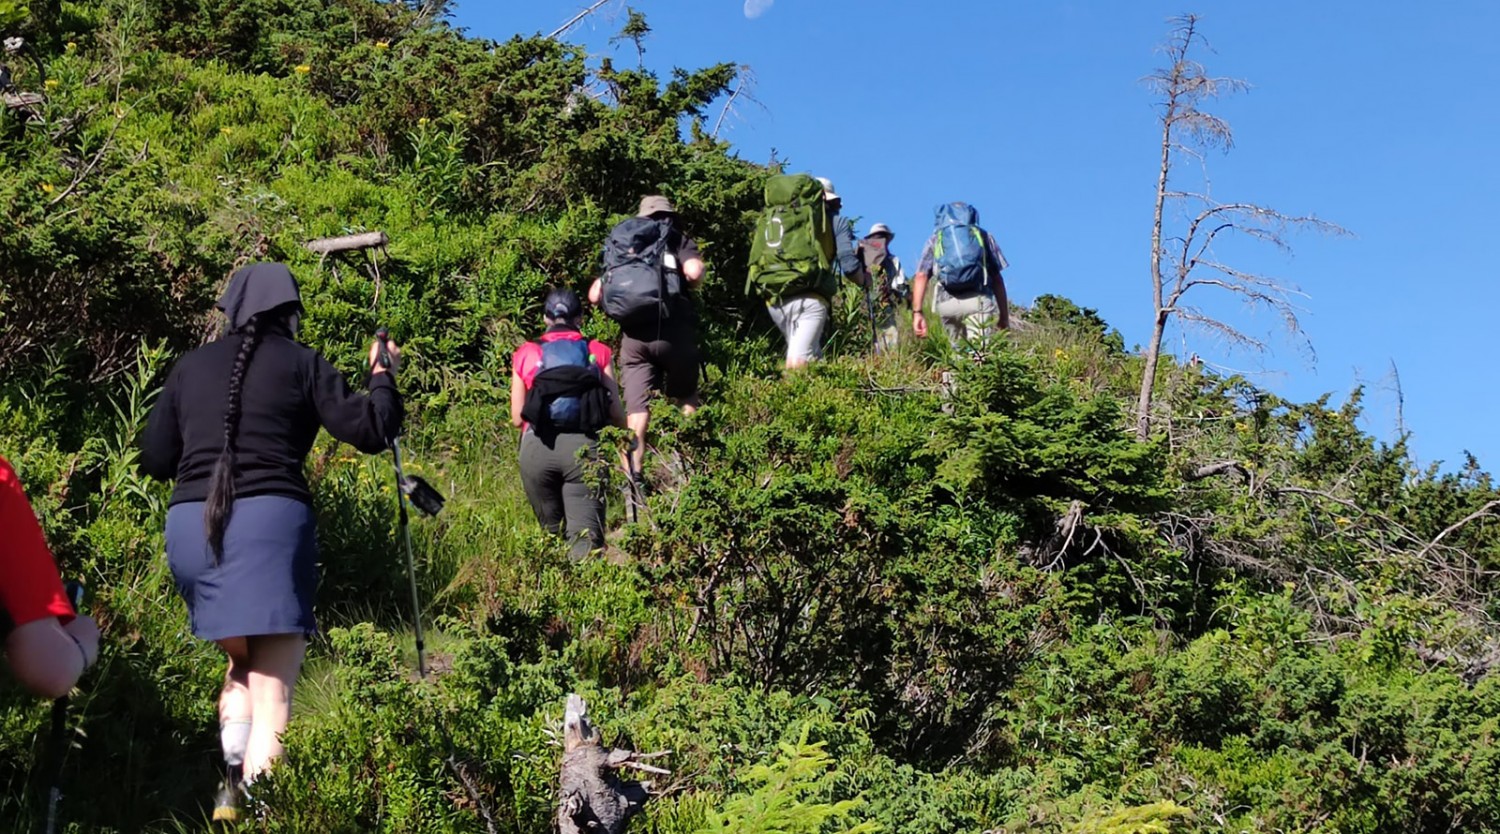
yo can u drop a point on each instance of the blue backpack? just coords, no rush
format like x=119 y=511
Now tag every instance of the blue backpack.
x=566 y=412
x=959 y=256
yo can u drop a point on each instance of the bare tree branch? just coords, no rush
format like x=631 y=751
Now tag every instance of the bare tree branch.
x=576 y=19
x=744 y=83
x=1450 y=529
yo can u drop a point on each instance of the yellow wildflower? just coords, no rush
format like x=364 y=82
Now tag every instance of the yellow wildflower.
x=422 y=121
x=224 y=130
x=47 y=188
x=382 y=44
x=303 y=69
x=1341 y=521
x=1059 y=354
x=51 y=83
x=70 y=46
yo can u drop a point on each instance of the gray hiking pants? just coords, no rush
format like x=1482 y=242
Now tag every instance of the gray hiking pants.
x=971 y=317
x=887 y=328
x=554 y=480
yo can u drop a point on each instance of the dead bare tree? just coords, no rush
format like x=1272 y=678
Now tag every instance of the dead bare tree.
x=1186 y=260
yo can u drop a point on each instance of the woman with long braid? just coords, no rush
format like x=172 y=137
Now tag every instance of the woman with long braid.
x=232 y=427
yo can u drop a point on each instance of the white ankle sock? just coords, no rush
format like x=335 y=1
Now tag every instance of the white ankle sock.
x=234 y=737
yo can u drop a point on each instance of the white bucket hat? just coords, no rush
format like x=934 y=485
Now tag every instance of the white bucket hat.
x=828 y=191
x=881 y=229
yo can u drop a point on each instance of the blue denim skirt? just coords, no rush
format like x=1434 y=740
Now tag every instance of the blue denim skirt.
x=268 y=576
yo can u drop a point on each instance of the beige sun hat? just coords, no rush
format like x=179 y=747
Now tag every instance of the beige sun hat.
x=881 y=229
x=655 y=204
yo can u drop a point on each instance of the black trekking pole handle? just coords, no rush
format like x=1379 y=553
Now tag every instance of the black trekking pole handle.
x=383 y=335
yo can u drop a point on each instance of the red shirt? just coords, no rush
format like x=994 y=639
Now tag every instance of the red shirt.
x=30 y=588
x=528 y=358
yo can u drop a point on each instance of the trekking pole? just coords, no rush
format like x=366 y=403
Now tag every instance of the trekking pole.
x=632 y=486
x=59 y=740
x=869 y=302
x=384 y=336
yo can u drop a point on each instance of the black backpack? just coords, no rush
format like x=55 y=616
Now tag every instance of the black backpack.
x=637 y=288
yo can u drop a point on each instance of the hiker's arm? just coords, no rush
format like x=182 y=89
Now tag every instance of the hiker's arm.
x=48 y=657
x=517 y=395
x=693 y=270
x=366 y=422
x=997 y=280
x=919 y=298
x=861 y=276
x=691 y=258
x=161 y=442
x=997 y=283
x=616 y=410
x=596 y=291
x=849 y=264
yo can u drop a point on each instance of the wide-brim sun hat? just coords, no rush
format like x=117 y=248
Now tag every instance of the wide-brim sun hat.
x=881 y=229
x=829 y=192
x=655 y=204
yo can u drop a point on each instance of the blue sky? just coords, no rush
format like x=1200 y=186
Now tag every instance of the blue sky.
x=1381 y=117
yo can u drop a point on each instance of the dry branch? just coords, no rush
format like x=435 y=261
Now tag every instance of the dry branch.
x=1479 y=513
x=347 y=243
x=1220 y=468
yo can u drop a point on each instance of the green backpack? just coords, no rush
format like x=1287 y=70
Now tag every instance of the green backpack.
x=793 y=250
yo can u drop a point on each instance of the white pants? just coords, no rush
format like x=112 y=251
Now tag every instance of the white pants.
x=801 y=319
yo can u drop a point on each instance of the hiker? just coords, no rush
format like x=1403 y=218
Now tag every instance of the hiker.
x=562 y=392
x=887 y=281
x=967 y=262
x=794 y=261
x=650 y=264
x=47 y=644
x=232 y=427
x=846 y=251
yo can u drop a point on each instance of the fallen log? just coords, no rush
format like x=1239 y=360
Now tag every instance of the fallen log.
x=593 y=797
x=347 y=243
x=22 y=101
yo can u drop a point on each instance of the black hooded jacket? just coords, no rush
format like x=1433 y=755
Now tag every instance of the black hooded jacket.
x=289 y=391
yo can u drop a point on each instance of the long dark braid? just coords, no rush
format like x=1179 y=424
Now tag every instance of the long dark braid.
x=220 y=503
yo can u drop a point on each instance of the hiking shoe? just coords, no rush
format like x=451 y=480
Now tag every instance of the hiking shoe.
x=230 y=797
x=227 y=803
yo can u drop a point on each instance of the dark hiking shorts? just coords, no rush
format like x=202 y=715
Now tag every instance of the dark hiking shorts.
x=668 y=364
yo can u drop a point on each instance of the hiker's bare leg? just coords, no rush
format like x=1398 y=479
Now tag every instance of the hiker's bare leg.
x=638 y=422
x=236 y=714
x=275 y=662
